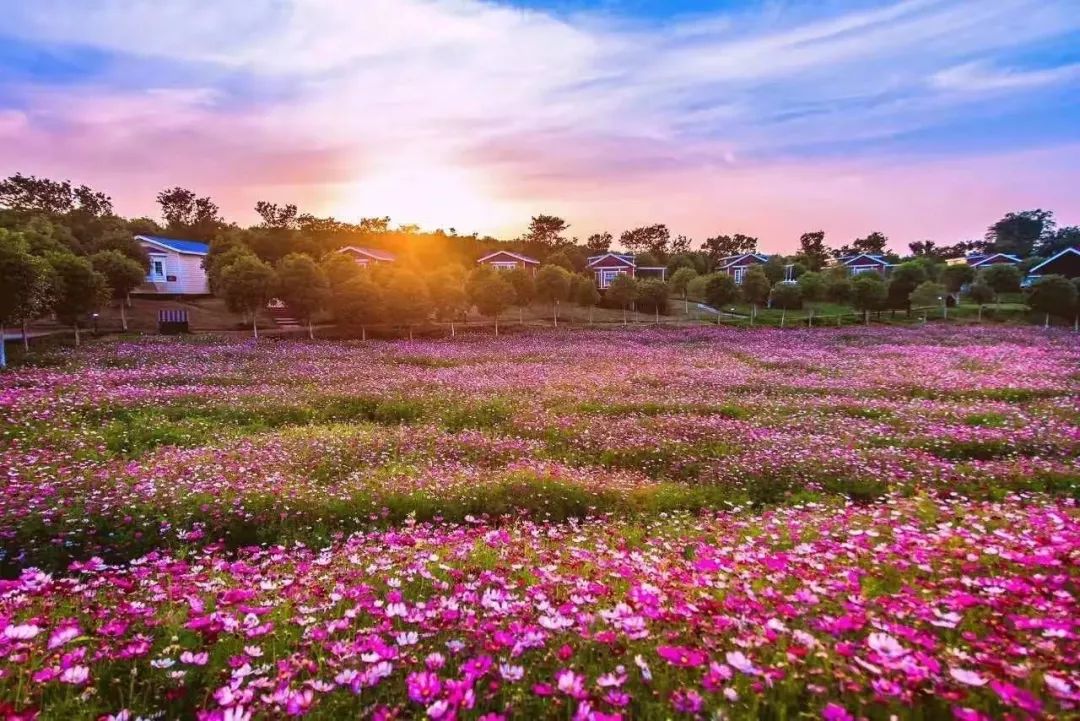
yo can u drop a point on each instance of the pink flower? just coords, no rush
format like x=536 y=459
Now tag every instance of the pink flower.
x=681 y=656
x=195 y=659
x=423 y=686
x=968 y=678
x=739 y=661
x=834 y=712
x=76 y=675
x=686 y=701
x=25 y=632
x=63 y=634
x=570 y=683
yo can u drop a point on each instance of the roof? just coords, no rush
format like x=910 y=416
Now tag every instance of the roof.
x=370 y=252
x=980 y=259
x=188 y=247
x=733 y=259
x=1052 y=258
x=848 y=260
x=519 y=256
x=627 y=258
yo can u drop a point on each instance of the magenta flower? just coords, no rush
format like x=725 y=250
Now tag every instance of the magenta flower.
x=423 y=686
x=681 y=656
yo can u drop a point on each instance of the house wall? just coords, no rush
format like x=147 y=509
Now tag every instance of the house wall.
x=1067 y=265
x=187 y=272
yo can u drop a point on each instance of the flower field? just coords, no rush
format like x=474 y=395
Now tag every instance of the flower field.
x=701 y=523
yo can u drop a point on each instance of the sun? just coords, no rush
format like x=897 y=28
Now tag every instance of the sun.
x=429 y=194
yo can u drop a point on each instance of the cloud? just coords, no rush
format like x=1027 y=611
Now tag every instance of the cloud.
x=301 y=100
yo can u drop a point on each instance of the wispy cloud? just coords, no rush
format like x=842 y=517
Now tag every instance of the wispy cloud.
x=581 y=114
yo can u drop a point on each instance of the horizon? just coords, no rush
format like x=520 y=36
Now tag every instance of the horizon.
x=920 y=119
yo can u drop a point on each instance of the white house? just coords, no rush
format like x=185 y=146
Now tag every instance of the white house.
x=175 y=266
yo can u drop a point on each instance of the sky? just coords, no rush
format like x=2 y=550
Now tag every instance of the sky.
x=917 y=118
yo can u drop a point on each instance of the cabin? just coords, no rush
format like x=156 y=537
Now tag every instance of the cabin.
x=1066 y=263
x=176 y=266
x=505 y=260
x=866 y=263
x=609 y=266
x=737 y=265
x=982 y=260
x=368 y=256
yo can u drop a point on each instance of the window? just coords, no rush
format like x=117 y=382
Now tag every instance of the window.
x=504 y=265
x=856 y=269
x=609 y=274
x=158 y=270
x=739 y=273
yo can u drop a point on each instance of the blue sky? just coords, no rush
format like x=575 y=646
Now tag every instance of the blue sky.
x=919 y=118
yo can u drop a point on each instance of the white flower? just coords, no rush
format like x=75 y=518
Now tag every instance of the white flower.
x=76 y=675
x=24 y=632
x=968 y=678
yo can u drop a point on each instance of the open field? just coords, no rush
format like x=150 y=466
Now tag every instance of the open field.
x=835 y=523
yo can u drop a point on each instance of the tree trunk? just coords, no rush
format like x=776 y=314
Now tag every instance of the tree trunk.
x=363 y=332
x=1046 y=321
x=591 y=308
x=753 y=313
x=3 y=348
x=76 y=334
x=26 y=336
x=310 y=330
x=123 y=317
x=521 y=315
x=410 y=332
x=944 y=312
x=453 y=333
x=686 y=304
x=783 y=315
x=657 y=309
x=866 y=317
x=496 y=325
x=555 y=313
x=810 y=319
x=255 y=325
x=624 y=315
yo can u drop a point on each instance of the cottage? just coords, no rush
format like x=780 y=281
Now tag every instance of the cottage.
x=505 y=260
x=368 y=256
x=866 y=263
x=176 y=266
x=983 y=260
x=737 y=265
x=609 y=266
x=1066 y=263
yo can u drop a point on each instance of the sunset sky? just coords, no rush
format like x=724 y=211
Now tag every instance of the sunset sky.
x=921 y=119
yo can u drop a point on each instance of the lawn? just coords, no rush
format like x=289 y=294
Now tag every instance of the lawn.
x=702 y=522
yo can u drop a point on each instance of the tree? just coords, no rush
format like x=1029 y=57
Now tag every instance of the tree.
x=868 y=292
x=1068 y=237
x=406 y=300
x=905 y=278
x=981 y=293
x=1053 y=295
x=80 y=289
x=561 y=259
x=122 y=274
x=622 y=292
x=647 y=239
x=956 y=276
x=41 y=195
x=303 y=286
x=357 y=303
x=546 y=231
x=1002 y=278
x=449 y=301
x=838 y=287
x=585 y=293
x=599 y=243
x=720 y=290
x=524 y=289
x=339 y=269
x=42 y=299
x=812 y=249
x=553 y=285
x=18 y=282
x=274 y=216
x=724 y=246
x=775 y=269
x=923 y=249
x=811 y=286
x=680 y=282
x=929 y=294
x=188 y=215
x=1018 y=233
x=873 y=244
x=755 y=289
x=786 y=296
x=246 y=284
x=493 y=294
x=680 y=244
x=653 y=295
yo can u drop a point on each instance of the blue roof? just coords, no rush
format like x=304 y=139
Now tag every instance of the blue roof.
x=178 y=244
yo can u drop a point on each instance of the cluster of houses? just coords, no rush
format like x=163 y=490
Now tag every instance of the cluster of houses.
x=176 y=266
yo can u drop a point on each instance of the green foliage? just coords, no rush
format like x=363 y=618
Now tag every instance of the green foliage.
x=868 y=292
x=1001 y=277
x=622 y=291
x=755 y=286
x=493 y=294
x=956 y=276
x=981 y=293
x=680 y=280
x=406 y=299
x=903 y=281
x=524 y=286
x=446 y=288
x=552 y=283
x=720 y=290
x=302 y=285
x=1053 y=295
x=928 y=295
x=121 y=272
x=775 y=269
x=246 y=284
x=1018 y=233
x=357 y=302
x=80 y=289
x=787 y=296
x=585 y=293
x=652 y=296
x=812 y=286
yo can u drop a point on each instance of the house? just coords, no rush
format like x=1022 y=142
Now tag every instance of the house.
x=608 y=266
x=368 y=256
x=866 y=263
x=176 y=266
x=982 y=260
x=737 y=265
x=505 y=260
x=1066 y=263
